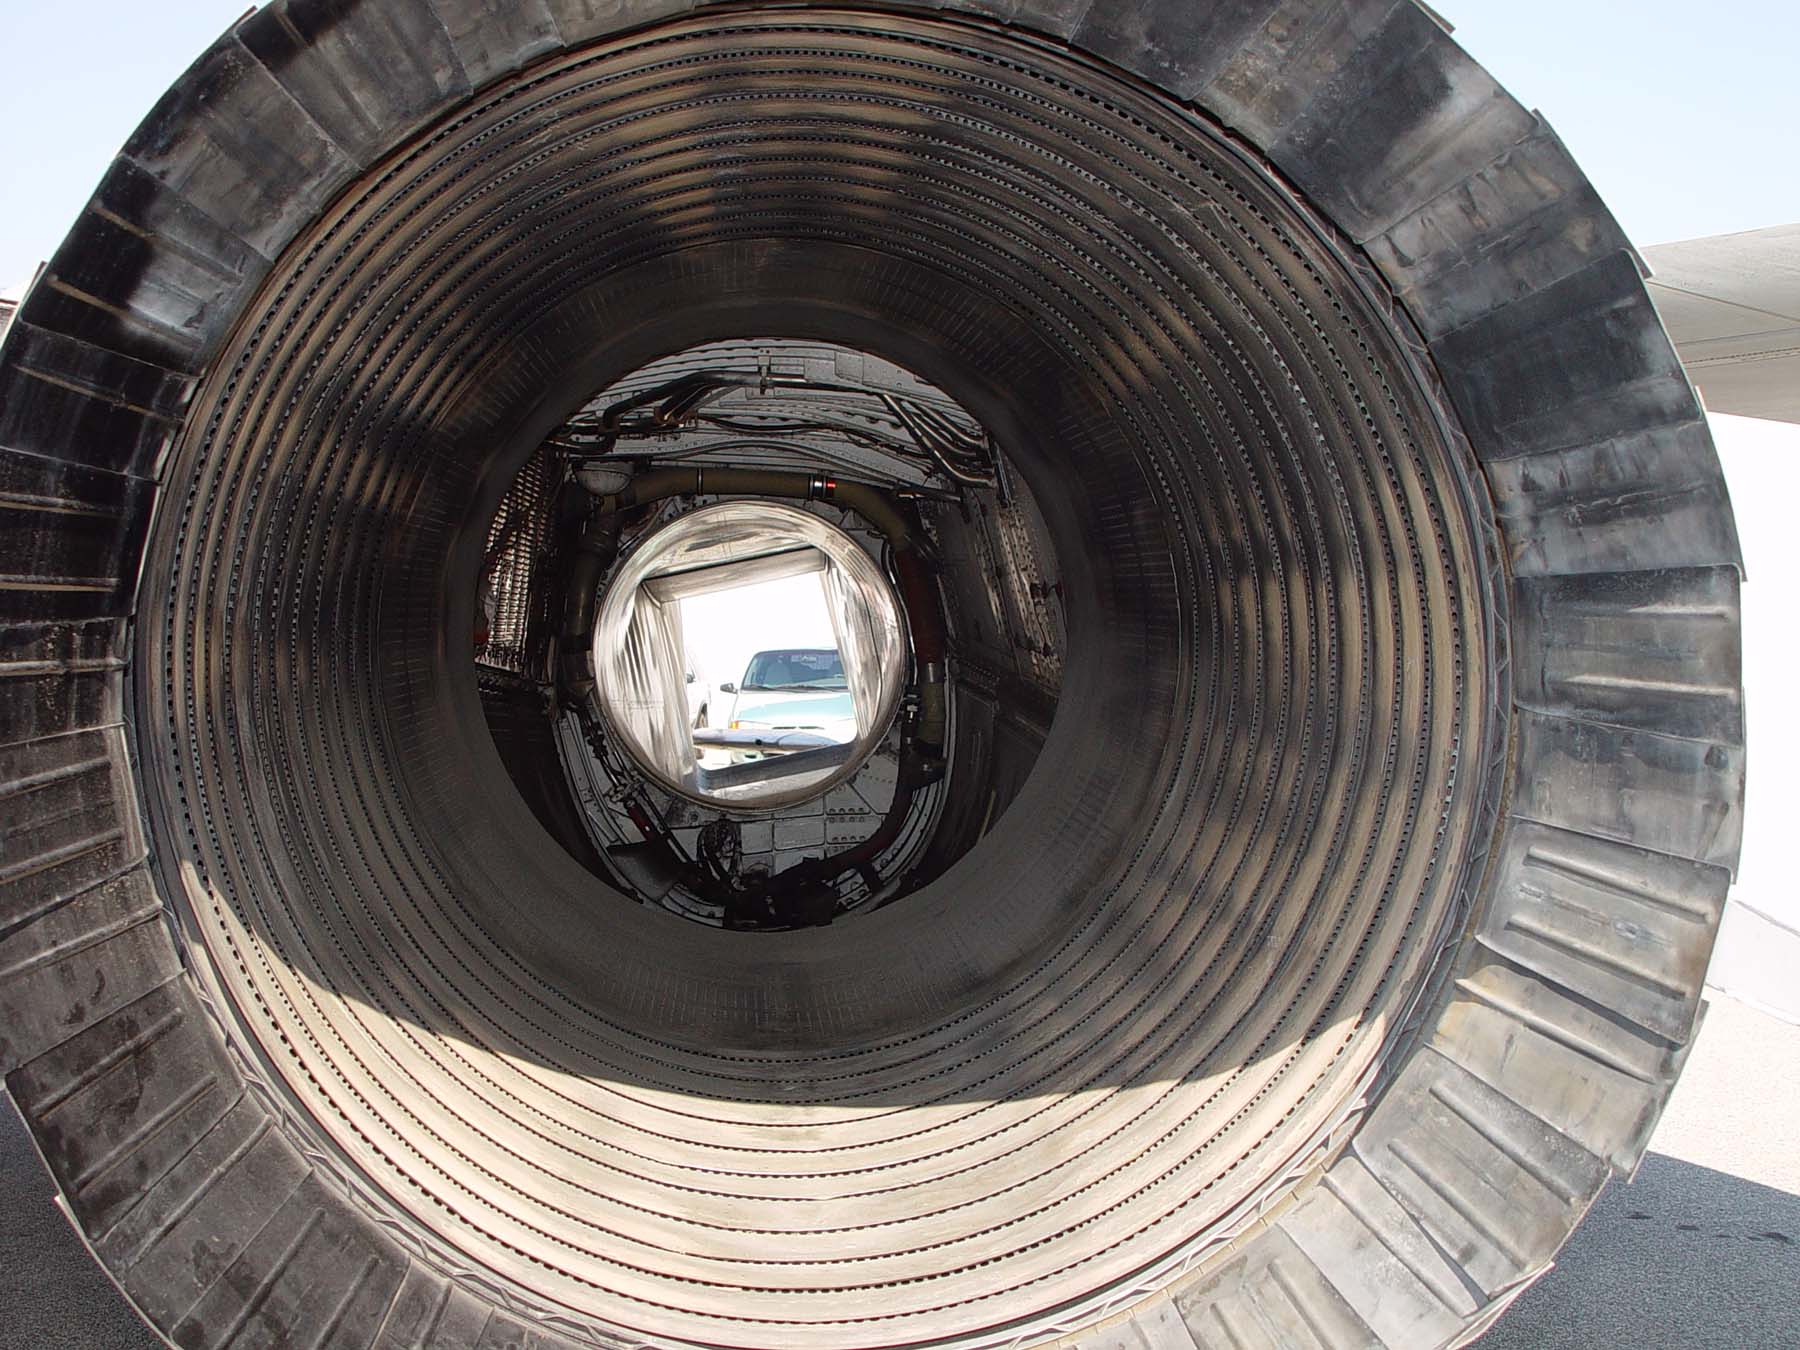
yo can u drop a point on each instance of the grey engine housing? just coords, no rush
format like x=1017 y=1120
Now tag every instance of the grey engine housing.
x=1350 y=933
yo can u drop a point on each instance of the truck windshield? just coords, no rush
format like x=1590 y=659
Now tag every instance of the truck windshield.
x=812 y=668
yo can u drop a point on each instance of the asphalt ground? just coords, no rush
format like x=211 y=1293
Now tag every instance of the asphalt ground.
x=1700 y=1250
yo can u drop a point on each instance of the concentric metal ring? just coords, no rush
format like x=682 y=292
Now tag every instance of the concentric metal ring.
x=1149 y=991
x=1198 y=1044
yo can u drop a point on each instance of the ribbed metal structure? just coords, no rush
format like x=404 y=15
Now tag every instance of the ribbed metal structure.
x=1347 y=933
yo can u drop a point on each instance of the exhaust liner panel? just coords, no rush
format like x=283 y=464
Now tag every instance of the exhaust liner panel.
x=1537 y=1070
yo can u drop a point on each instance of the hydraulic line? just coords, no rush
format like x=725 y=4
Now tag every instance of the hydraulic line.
x=595 y=549
x=871 y=503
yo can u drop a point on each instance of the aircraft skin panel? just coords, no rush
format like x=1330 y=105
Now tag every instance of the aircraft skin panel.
x=1731 y=303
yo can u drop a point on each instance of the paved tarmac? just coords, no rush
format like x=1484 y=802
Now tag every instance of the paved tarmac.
x=1702 y=1249
x=1700 y=1252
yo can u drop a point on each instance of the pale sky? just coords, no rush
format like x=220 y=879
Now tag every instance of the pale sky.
x=1762 y=469
x=1684 y=114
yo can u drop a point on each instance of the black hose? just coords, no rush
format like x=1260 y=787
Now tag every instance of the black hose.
x=595 y=549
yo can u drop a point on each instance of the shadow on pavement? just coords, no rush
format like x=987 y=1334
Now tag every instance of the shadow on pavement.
x=1683 y=1257
x=53 y=1295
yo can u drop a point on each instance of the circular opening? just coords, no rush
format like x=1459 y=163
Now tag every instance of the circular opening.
x=800 y=719
x=1210 y=775
x=776 y=570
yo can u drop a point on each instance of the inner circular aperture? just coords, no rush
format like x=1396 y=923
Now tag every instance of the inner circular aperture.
x=1100 y=1037
x=758 y=580
x=803 y=719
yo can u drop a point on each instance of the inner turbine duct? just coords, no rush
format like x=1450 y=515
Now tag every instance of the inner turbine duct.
x=1226 y=875
x=1298 y=796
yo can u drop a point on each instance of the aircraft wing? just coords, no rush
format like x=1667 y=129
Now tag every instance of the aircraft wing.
x=1732 y=304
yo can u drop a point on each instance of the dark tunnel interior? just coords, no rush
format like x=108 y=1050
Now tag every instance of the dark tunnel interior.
x=1231 y=859
x=1243 y=860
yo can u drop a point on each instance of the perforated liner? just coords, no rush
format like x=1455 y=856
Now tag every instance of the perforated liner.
x=1118 y=1023
x=507 y=586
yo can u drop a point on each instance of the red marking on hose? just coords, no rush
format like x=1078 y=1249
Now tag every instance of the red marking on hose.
x=640 y=819
x=919 y=596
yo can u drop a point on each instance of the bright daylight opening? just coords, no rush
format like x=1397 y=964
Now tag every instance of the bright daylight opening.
x=809 y=702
